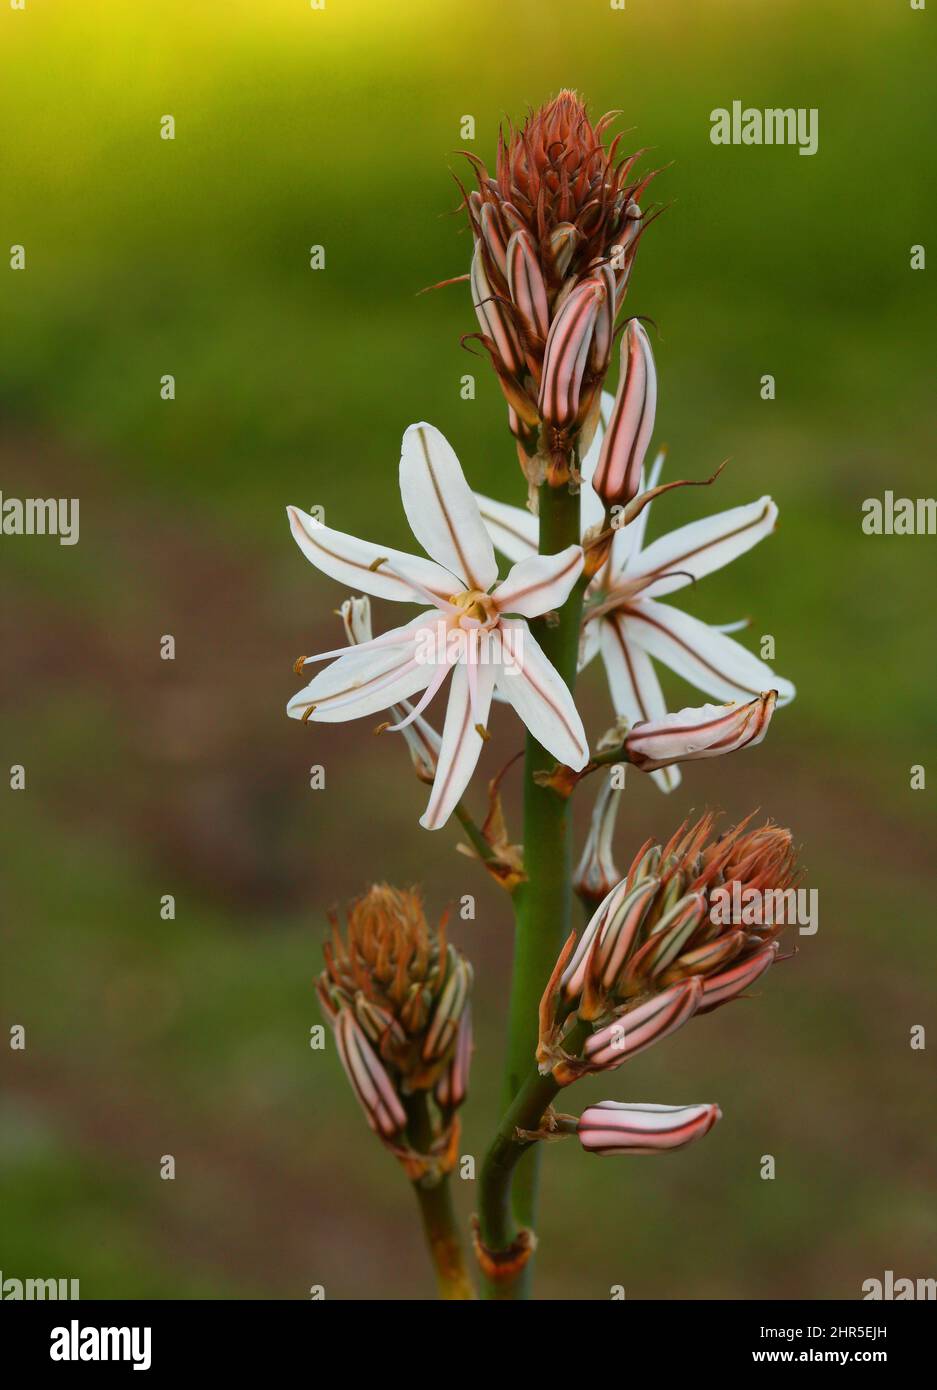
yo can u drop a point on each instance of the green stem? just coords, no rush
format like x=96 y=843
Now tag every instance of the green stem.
x=543 y=901
x=434 y=1198
x=497 y=1222
x=442 y=1239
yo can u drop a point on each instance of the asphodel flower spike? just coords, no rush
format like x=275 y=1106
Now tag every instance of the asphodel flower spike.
x=706 y=732
x=556 y=230
x=622 y=615
x=663 y=946
x=467 y=632
x=611 y=1127
x=397 y=996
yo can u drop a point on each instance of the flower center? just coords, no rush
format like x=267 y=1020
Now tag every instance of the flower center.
x=475 y=604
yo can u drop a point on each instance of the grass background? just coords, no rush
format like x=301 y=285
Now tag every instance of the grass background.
x=338 y=127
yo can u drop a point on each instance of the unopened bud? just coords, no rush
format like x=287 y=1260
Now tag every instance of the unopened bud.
x=611 y=1127
x=617 y=476
x=704 y=732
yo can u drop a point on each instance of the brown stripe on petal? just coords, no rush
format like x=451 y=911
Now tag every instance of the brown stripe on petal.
x=466 y=574
x=636 y=611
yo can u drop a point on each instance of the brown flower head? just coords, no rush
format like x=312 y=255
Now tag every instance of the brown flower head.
x=556 y=230
x=691 y=926
x=397 y=996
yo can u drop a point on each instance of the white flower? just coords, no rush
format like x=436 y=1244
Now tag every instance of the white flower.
x=465 y=630
x=623 y=618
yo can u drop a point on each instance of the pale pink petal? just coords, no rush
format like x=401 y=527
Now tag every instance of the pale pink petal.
x=514 y=530
x=375 y=569
x=540 y=583
x=635 y=689
x=628 y=540
x=703 y=546
x=441 y=510
x=362 y=682
x=461 y=742
x=706 y=658
x=540 y=695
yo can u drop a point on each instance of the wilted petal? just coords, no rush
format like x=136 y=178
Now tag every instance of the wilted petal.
x=632 y=680
x=514 y=530
x=611 y=1127
x=703 y=546
x=441 y=510
x=377 y=570
x=461 y=741
x=706 y=732
x=540 y=583
x=530 y=682
x=618 y=473
x=706 y=658
x=596 y=873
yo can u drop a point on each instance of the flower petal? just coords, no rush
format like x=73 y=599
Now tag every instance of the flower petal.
x=461 y=741
x=354 y=562
x=540 y=583
x=635 y=689
x=696 y=550
x=441 y=510
x=530 y=682
x=706 y=658
x=514 y=530
x=364 y=681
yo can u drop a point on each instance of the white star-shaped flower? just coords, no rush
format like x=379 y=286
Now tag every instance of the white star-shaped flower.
x=623 y=618
x=465 y=631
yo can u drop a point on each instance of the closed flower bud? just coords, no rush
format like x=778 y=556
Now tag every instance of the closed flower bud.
x=610 y=1127
x=706 y=732
x=596 y=874
x=641 y=1027
x=617 y=476
x=567 y=354
x=397 y=998
x=560 y=210
x=669 y=940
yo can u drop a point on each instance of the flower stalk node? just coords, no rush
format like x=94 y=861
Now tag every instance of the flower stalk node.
x=503 y=1266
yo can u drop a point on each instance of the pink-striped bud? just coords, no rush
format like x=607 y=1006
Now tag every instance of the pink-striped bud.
x=642 y=1026
x=369 y=1080
x=607 y=941
x=525 y=281
x=494 y=317
x=567 y=354
x=604 y=336
x=729 y=984
x=617 y=476
x=452 y=1086
x=704 y=732
x=611 y=1127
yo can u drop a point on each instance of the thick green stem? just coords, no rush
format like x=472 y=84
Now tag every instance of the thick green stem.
x=434 y=1198
x=543 y=901
x=442 y=1239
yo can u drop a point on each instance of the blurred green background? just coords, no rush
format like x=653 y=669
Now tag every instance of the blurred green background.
x=338 y=127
